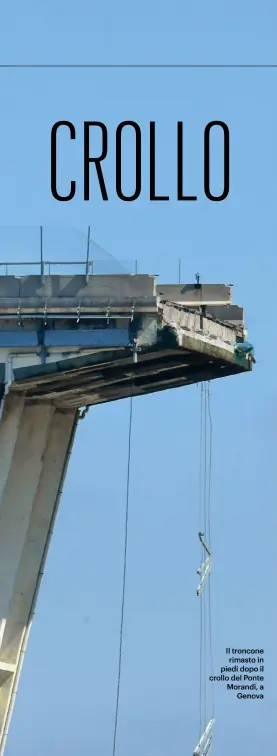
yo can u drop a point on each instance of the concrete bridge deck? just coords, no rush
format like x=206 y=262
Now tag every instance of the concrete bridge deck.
x=70 y=342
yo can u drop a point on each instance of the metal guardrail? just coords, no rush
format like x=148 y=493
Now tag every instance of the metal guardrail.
x=42 y=250
x=38 y=244
x=46 y=266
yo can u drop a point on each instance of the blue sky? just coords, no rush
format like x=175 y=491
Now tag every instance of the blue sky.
x=67 y=692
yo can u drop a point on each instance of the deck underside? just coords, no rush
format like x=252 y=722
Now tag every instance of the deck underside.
x=109 y=375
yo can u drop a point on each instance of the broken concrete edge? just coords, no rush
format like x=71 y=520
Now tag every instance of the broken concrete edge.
x=74 y=364
x=176 y=328
x=187 y=320
x=231 y=315
x=216 y=352
x=86 y=387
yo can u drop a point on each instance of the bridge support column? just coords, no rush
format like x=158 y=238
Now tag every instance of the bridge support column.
x=35 y=443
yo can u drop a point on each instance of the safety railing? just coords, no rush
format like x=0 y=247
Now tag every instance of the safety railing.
x=88 y=267
x=44 y=251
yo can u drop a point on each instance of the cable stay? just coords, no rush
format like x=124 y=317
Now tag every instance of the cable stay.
x=126 y=532
x=203 y=591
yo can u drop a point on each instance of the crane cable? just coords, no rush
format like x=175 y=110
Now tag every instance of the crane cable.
x=205 y=472
x=123 y=577
x=209 y=538
x=204 y=523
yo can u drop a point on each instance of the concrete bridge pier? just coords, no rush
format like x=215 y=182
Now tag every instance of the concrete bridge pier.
x=35 y=444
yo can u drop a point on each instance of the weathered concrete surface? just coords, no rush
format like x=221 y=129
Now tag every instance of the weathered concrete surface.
x=34 y=444
x=67 y=287
x=197 y=325
x=64 y=344
x=31 y=294
x=114 y=287
x=184 y=347
x=195 y=294
x=36 y=305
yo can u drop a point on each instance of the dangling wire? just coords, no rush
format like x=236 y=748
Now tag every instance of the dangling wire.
x=204 y=595
x=124 y=577
x=201 y=559
x=210 y=540
x=205 y=472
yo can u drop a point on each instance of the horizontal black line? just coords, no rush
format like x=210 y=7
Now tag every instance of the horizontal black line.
x=138 y=65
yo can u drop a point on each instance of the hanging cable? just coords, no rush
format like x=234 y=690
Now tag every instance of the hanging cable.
x=124 y=577
x=209 y=538
x=204 y=595
x=199 y=527
x=205 y=472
